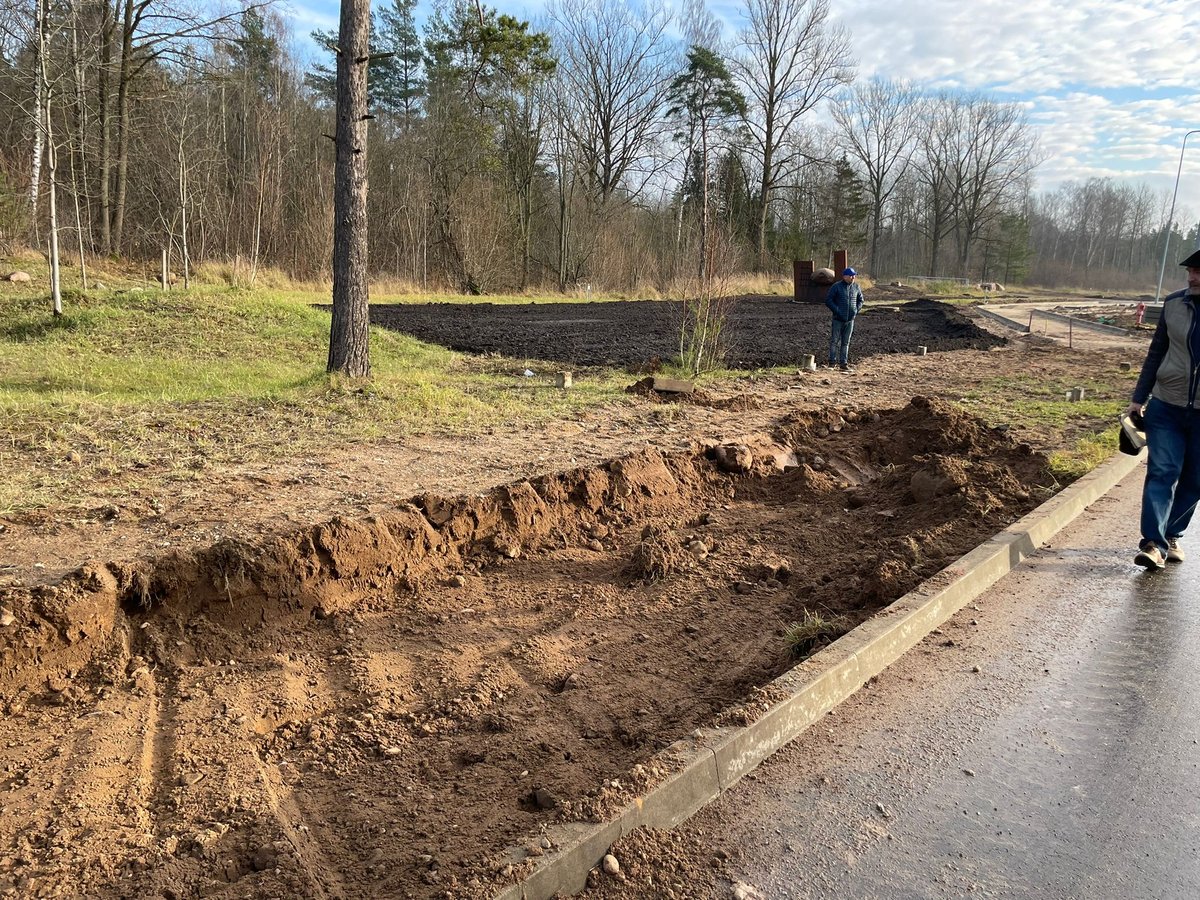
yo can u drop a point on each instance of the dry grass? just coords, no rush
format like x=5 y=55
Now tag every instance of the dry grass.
x=812 y=632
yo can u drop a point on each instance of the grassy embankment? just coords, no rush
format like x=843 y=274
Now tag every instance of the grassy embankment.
x=1037 y=404
x=143 y=384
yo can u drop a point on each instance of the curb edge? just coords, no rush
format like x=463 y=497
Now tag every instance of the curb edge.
x=717 y=758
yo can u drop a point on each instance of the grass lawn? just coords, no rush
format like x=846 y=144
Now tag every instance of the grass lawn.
x=185 y=379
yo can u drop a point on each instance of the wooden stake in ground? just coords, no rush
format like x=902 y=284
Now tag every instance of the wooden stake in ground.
x=349 y=350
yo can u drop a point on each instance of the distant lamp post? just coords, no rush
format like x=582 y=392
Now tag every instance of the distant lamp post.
x=1162 y=269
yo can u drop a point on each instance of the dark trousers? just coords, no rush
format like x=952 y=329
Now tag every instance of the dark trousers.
x=1172 y=485
x=839 y=342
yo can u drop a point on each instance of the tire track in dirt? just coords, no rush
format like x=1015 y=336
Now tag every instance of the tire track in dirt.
x=226 y=814
x=157 y=775
x=103 y=787
x=319 y=867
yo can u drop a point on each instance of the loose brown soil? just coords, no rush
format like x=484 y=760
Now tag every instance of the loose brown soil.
x=385 y=702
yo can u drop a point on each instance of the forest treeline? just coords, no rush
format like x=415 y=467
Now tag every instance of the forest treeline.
x=609 y=143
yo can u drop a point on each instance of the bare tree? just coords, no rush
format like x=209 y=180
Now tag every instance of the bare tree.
x=40 y=103
x=700 y=27
x=567 y=169
x=150 y=30
x=46 y=129
x=789 y=59
x=349 y=344
x=935 y=172
x=617 y=61
x=995 y=155
x=878 y=121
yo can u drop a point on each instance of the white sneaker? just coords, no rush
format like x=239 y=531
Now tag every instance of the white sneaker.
x=1174 y=551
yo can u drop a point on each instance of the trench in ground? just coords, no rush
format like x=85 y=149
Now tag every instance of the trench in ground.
x=387 y=706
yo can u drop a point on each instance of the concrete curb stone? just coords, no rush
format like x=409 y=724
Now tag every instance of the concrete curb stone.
x=714 y=759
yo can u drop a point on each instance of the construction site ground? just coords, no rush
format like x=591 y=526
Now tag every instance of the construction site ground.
x=374 y=673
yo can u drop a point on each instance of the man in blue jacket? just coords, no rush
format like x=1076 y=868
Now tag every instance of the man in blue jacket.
x=845 y=299
x=1166 y=392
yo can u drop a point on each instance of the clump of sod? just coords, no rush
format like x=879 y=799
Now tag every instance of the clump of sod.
x=813 y=632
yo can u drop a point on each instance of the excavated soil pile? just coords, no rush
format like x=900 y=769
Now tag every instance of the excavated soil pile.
x=398 y=706
x=762 y=331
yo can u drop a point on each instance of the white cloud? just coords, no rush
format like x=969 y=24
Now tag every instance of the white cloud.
x=1109 y=84
x=1025 y=45
x=1089 y=135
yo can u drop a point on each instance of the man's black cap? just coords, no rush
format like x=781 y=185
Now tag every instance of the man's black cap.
x=1193 y=261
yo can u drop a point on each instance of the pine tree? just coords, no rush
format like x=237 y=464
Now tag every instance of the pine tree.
x=705 y=103
x=398 y=82
x=847 y=210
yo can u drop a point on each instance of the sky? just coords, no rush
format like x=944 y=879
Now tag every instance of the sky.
x=1112 y=86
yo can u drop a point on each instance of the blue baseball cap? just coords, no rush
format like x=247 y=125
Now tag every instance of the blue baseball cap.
x=848 y=271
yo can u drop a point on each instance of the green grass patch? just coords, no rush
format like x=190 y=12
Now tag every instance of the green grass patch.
x=1087 y=453
x=1040 y=404
x=179 y=381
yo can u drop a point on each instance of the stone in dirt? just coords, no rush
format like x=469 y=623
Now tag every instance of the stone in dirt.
x=671 y=385
x=610 y=864
x=734 y=458
x=743 y=891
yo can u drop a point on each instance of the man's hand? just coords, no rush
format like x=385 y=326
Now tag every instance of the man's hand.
x=1134 y=409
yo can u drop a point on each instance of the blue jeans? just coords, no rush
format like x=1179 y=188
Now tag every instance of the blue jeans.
x=839 y=342
x=1172 y=472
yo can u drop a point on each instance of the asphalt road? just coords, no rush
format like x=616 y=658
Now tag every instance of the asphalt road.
x=1043 y=744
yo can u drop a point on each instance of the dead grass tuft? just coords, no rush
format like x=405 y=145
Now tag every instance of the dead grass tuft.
x=813 y=632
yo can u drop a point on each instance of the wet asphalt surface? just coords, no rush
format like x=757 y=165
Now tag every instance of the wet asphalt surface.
x=1044 y=743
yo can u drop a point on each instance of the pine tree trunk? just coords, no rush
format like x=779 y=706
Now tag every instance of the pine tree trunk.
x=349 y=350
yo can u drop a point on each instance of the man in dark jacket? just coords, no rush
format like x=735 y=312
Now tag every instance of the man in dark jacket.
x=1166 y=393
x=845 y=299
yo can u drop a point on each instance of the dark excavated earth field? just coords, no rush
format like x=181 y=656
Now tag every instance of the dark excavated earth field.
x=763 y=332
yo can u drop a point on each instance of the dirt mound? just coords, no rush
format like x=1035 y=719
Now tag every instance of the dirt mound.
x=657 y=861
x=644 y=387
x=398 y=704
